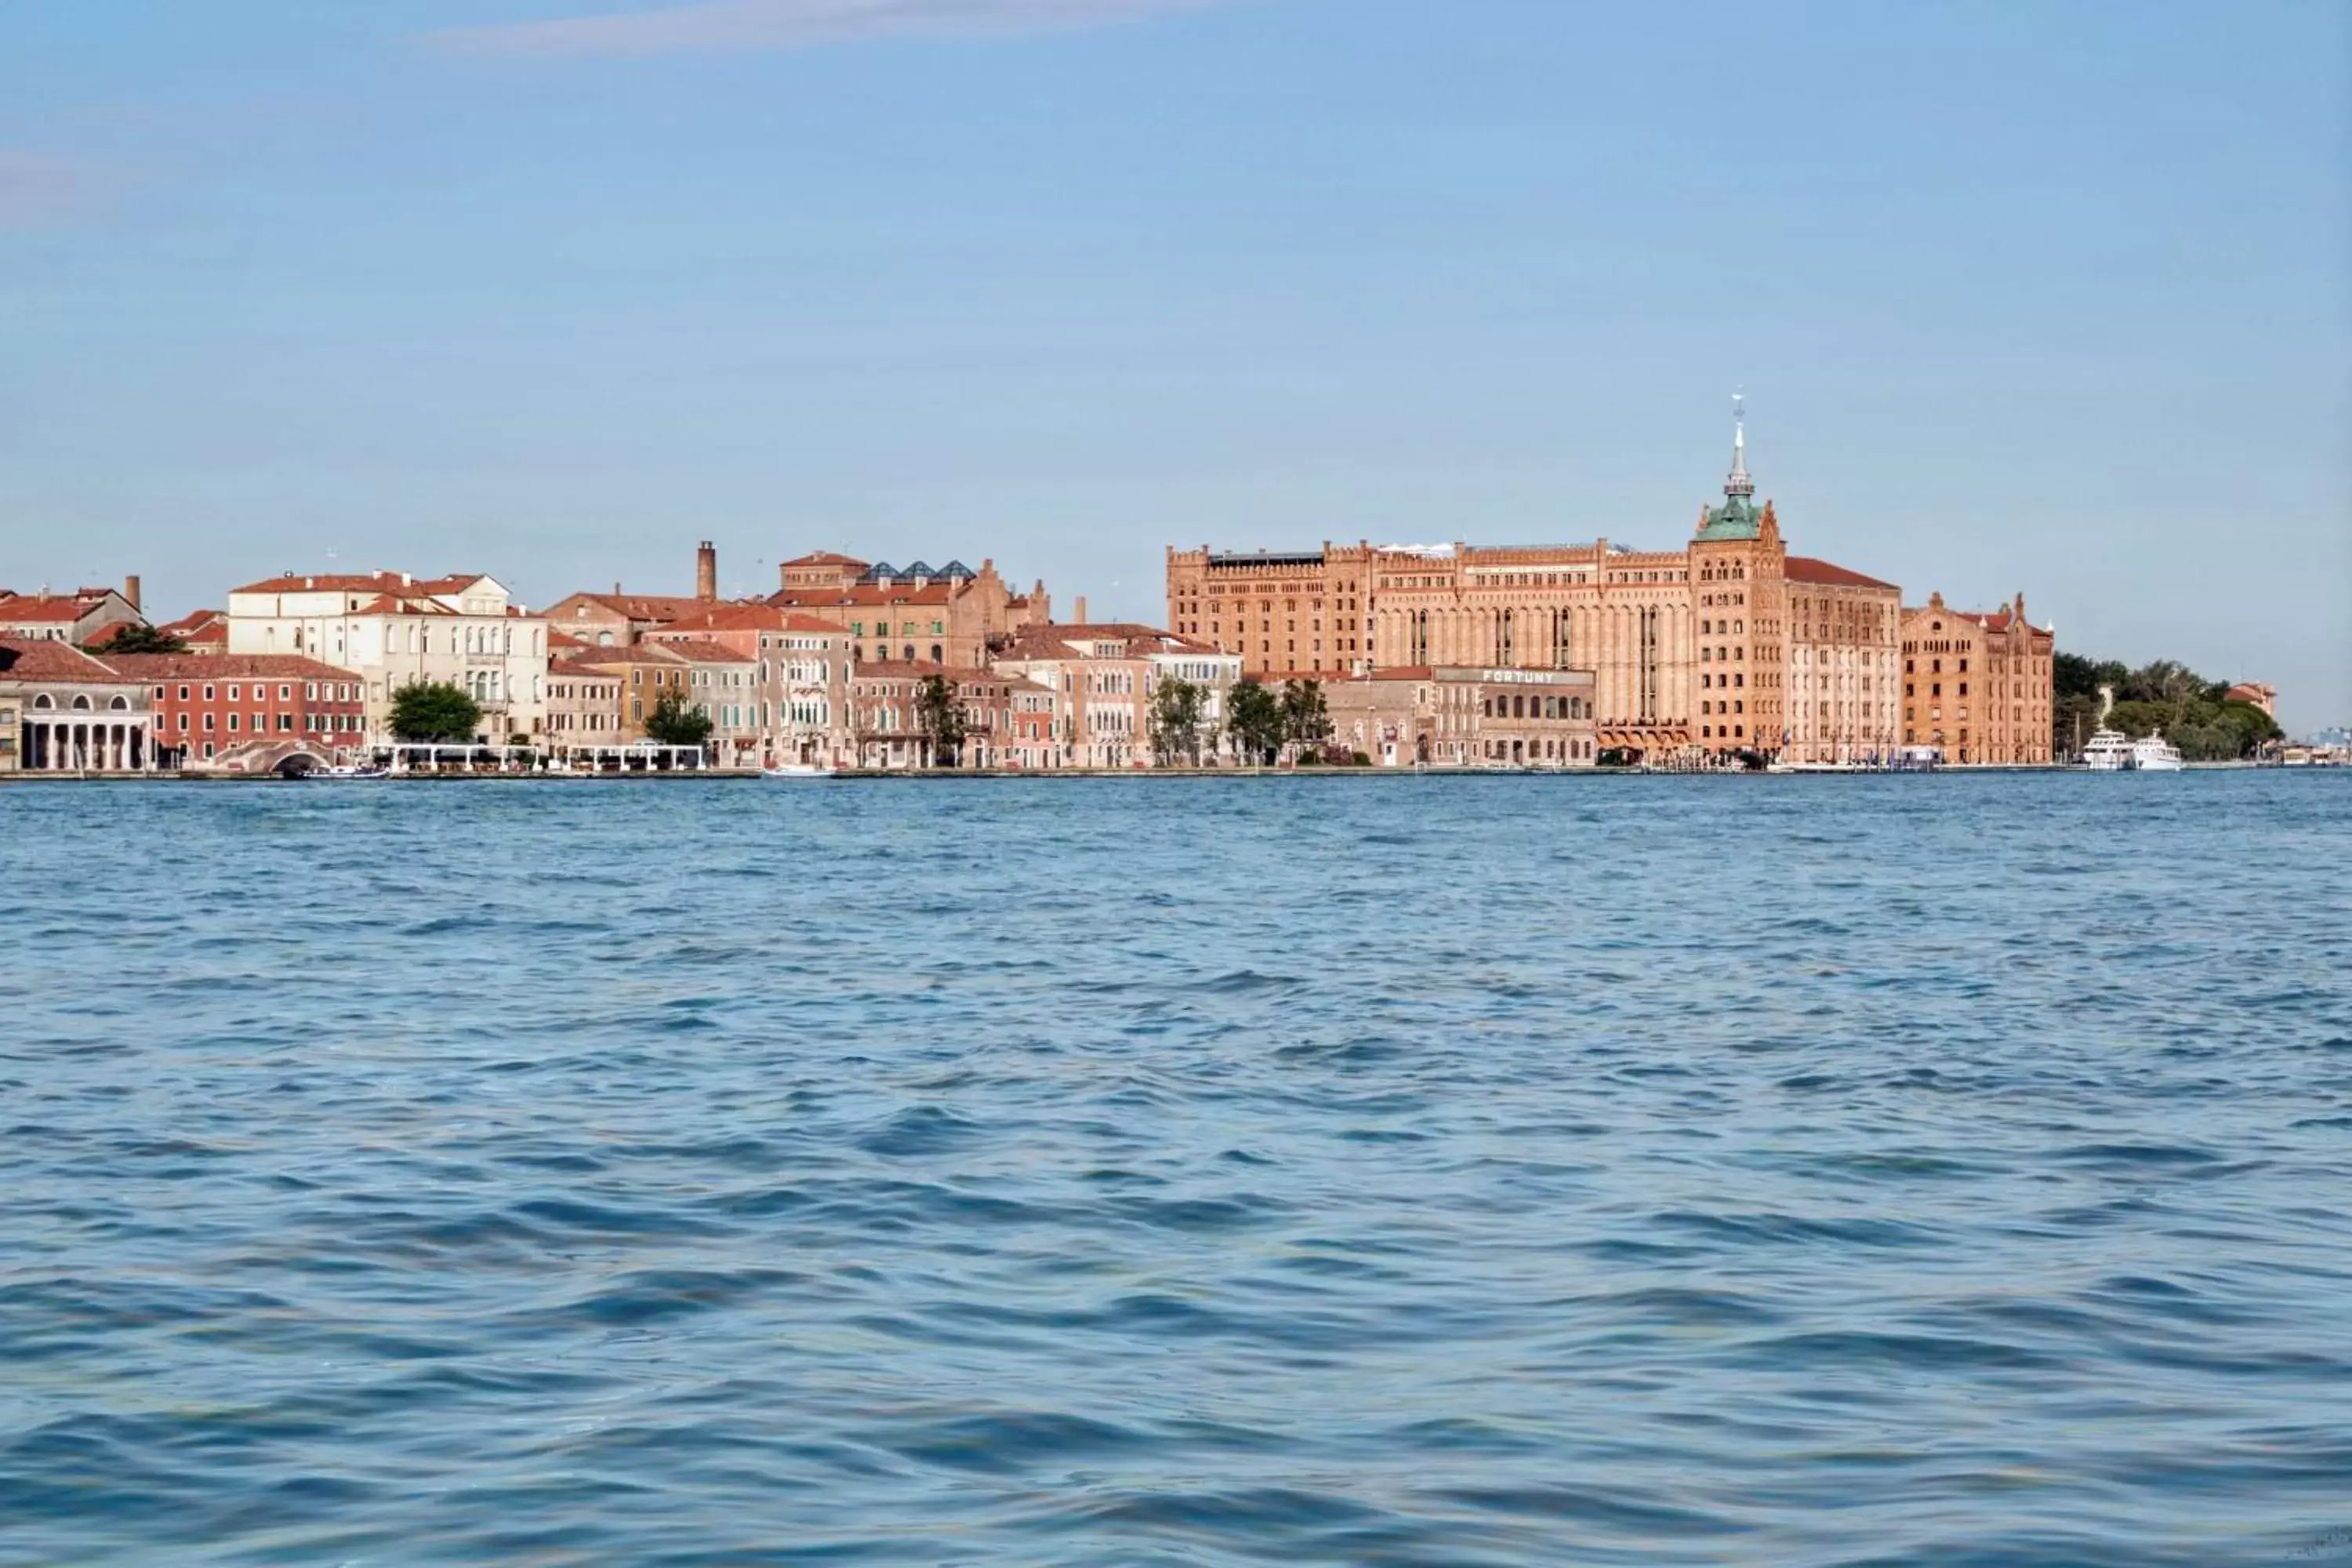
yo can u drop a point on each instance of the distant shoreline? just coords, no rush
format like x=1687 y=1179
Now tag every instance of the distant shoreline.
x=944 y=775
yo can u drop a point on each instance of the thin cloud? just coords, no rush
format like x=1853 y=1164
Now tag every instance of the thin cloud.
x=35 y=187
x=737 y=25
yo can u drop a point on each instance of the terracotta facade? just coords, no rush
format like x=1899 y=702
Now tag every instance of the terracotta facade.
x=1691 y=650
x=1977 y=685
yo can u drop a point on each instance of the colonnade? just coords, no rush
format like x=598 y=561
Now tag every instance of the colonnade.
x=87 y=745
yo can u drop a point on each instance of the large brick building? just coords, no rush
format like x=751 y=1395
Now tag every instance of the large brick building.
x=1977 y=684
x=1693 y=652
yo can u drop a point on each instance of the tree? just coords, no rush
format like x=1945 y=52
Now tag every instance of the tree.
x=674 y=722
x=138 y=636
x=1178 y=708
x=2160 y=698
x=941 y=719
x=435 y=711
x=1254 y=720
x=1306 y=722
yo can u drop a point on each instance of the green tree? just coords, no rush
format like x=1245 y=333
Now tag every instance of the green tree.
x=1178 y=708
x=138 y=636
x=435 y=711
x=2164 y=697
x=674 y=722
x=1306 y=722
x=940 y=716
x=1254 y=720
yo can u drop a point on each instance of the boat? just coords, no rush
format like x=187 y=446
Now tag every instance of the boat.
x=2113 y=751
x=797 y=771
x=347 y=774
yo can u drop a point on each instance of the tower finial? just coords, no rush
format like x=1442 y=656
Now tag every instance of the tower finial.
x=1739 y=486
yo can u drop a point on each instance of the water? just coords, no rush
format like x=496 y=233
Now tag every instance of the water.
x=1454 y=1171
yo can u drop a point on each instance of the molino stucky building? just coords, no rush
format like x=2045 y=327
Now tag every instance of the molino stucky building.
x=1729 y=644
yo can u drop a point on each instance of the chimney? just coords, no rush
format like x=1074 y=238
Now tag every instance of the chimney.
x=706 y=573
x=1080 y=605
x=616 y=590
x=131 y=591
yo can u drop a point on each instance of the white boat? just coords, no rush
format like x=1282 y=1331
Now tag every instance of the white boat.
x=343 y=774
x=2113 y=751
x=797 y=771
x=2110 y=751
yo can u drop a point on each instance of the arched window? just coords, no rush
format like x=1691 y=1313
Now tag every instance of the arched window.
x=120 y=705
x=42 y=701
x=81 y=704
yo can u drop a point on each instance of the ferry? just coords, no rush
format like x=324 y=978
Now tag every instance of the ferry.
x=2113 y=751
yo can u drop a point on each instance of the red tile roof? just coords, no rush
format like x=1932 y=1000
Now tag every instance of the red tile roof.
x=1806 y=569
x=227 y=666
x=193 y=621
x=40 y=660
x=730 y=617
x=826 y=558
x=580 y=670
x=1053 y=641
x=641 y=606
x=360 y=582
x=40 y=609
x=705 y=653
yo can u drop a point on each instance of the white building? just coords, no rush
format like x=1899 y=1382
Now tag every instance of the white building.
x=395 y=630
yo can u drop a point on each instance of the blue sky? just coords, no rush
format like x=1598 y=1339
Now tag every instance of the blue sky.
x=2045 y=296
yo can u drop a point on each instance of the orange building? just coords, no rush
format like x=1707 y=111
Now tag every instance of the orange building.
x=884 y=725
x=920 y=614
x=1466 y=717
x=1977 y=685
x=1690 y=649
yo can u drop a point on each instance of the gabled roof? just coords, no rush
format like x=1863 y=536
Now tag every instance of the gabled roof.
x=705 y=653
x=581 y=670
x=728 y=617
x=39 y=660
x=33 y=609
x=1806 y=569
x=362 y=582
x=635 y=653
x=193 y=621
x=639 y=606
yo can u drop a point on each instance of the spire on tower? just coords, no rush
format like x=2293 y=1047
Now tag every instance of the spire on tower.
x=1738 y=487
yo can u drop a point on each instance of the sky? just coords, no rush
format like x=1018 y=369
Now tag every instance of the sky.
x=2040 y=295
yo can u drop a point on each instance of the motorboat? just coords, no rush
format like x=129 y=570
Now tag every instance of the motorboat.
x=797 y=771
x=347 y=773
x=2152 y=753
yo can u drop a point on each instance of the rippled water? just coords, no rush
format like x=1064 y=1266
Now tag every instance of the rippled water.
x=1403 y=1170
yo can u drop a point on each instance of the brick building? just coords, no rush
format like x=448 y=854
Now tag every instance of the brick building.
x=1691 y=649
x=1977 y=685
